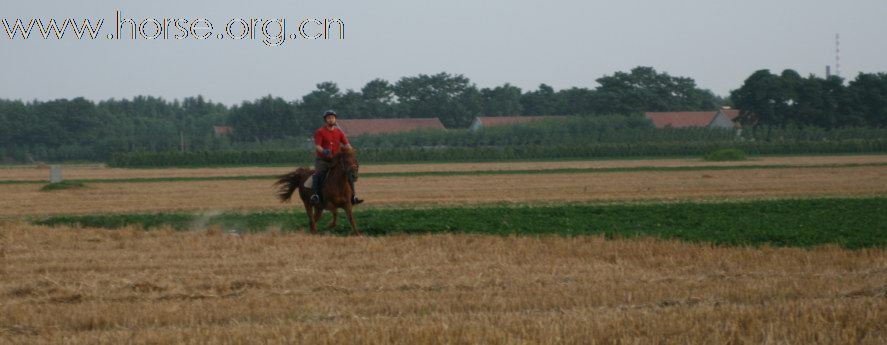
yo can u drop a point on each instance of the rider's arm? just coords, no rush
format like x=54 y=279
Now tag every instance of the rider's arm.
x=318 y=139
x=344 y=140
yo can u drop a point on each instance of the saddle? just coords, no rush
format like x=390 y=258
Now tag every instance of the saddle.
x=310 y=180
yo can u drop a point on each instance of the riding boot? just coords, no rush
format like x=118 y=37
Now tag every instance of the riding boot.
x=315 y=186
x=354 y=199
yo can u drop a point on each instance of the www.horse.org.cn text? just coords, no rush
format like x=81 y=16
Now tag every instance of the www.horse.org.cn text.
x=272 y=32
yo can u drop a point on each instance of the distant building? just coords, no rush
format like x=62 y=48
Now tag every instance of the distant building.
x=222 y=130
x=721 y=118
x=490 y=121
x=358 y=127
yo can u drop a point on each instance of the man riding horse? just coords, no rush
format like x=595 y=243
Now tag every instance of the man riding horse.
x=327 y=140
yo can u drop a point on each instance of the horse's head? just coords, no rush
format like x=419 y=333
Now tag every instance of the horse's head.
x=347 y=161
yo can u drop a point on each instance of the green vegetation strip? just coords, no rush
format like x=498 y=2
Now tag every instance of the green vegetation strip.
x=847 y=222
x=62 y=186
x=463 y=173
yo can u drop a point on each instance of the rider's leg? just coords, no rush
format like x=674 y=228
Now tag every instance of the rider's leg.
x=320 y=168
x=315 y=187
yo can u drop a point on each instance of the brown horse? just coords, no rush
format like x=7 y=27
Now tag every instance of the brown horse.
x=336 y=191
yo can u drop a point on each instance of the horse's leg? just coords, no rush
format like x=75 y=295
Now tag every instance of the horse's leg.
x=351 y=219
x=332 y=224
x=317 y=213
x=311 y=219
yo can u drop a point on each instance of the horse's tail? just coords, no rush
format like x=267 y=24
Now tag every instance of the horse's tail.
x=290 y=182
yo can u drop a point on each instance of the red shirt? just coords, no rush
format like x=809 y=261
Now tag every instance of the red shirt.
x=329 y=139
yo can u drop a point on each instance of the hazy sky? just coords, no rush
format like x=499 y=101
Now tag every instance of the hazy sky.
x=525 y=43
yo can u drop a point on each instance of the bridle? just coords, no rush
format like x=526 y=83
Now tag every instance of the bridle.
x=350 y=170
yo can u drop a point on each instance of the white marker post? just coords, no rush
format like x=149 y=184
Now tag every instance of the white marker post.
x=55 y=174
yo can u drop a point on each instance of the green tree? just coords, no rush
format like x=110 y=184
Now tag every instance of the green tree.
x=867 y=98
x=265 y=119
x=543 y=101
x=196 y=117
x=351 y=105
x=643 y=89
x=326 y=96
x=452 y=98
x=13 y=117
x=819 y=103
x=502 y=100
x=308 y=112
x=378 y=99
x=790 y=100
x=762 y=99
x=576 y=101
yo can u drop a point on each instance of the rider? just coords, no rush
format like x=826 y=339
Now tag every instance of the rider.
x=327 y=140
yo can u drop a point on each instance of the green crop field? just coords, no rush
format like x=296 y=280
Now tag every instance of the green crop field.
x=850 y=222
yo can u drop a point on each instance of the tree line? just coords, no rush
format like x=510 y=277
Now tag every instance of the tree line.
x=67 y=129
x=789 y=99
x=457 y=101
x=79 y=129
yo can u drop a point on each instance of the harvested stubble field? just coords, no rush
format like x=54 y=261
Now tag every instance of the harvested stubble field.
x=32 y=173
x=88 y=286
x=28 y=200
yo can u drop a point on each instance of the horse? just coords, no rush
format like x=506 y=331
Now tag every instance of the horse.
x=336 y=192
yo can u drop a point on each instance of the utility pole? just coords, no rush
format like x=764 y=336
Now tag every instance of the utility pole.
x=838 y=55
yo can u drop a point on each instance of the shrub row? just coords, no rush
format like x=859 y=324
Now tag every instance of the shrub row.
x=493 y=153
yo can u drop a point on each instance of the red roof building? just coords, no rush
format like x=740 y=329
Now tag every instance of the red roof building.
x=358 y=127
x=731 y=114
x=222 y=130
x=723 y=118
x=488 y=121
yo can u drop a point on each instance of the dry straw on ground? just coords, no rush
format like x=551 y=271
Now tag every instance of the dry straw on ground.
x=85 y=286
x=19 y=173
x=27 y=200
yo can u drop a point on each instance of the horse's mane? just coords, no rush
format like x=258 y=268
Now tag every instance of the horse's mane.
x=343 y=154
